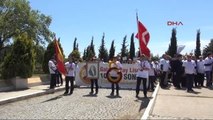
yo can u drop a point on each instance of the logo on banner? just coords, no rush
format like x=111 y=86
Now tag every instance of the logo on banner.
x=83 y=75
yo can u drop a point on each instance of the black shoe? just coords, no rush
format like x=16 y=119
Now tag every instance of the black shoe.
x=65 y=93
x=137 y=96
x=117 y=94
x=145 y=96
x=96 y=92
x=112 y=94
x=91 y=93
x=70 y=93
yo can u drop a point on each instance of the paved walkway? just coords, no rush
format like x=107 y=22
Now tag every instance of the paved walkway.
x=15 y=95
x=79 y=105
x=179 y=104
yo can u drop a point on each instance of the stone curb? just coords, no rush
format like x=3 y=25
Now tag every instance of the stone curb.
x=31 y=95
x=151 y=104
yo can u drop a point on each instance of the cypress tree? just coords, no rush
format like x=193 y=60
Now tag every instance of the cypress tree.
x=132 y=47
x=173 y=44
x=124 y=50
x=103 y=53
x=197 y=50
x=112 y=51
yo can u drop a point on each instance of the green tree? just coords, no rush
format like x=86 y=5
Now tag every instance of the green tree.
x=75 y=44
x=50 y=51
x=39 y=57
x=17 y=17
x=103 y=53
x=124 y=50
x=84 y=57
x=197 y=50
x=92 y=47
x=112 y=51
x=132 y=47
x=208 y=48
x=75 y=55
x=173 y=44
x=21 y=60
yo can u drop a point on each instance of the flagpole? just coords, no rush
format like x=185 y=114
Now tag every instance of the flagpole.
x=138 y=32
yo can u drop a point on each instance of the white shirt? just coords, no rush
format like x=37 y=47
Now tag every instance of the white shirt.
x=189 y=66
x=165 y=64
x=118 y=65
x=143 y=73
x=200 y=66
x=52 y=67
x=71 y=68
x=208 y=61
x=151 y=70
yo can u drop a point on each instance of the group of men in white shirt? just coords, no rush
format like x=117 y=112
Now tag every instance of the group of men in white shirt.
x=186 y=72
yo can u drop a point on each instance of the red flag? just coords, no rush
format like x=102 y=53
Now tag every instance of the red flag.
x=59 y=59
x=143 y=36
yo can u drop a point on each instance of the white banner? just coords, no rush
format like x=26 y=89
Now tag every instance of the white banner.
x=128 y=78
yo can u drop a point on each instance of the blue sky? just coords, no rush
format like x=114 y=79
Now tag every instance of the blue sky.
x=117 y=18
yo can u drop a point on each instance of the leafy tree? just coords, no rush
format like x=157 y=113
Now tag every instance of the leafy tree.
x=208 y=48
x=103 y=53
x=75 y=55
x=173 y=44
x=197 y=50
x=112 y=51
x=17 y=17
x=39 y=57
x=21 y=60
x=132 y=47
x=124 y=50
x=50 y=51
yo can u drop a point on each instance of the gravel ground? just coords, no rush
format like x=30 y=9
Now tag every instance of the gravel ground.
x=79 y=105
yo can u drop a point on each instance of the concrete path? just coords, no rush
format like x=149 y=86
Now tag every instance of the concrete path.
x=179 y=104
x=15 y=95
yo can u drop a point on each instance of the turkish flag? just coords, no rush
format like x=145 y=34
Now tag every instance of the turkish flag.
x=143 y=36
x=59 y=59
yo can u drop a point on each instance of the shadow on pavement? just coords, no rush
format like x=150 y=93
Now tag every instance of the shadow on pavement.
x=144 y=102
x=55 y=98
x=113 y=96
x=90 y=95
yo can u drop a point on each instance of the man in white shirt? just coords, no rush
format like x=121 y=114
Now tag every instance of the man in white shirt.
x=94 y=81
x=52 y=70
x=200 y=71
x=189 y=67
x=142 y=74
x=114 y=74
x=165 y=66
x=70 y=76
x=208 y=69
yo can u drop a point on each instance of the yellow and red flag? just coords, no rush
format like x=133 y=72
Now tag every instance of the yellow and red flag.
x=59 y=59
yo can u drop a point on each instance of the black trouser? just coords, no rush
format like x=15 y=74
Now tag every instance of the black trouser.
x=69 y=79
x=163 y=76
x=59 y=79
x=117 y=86
x=151 y=82
x=189 y=81
x=138 y=85
x=52 y=81
x=94 y=81
x=200 y=78
x=176 y=79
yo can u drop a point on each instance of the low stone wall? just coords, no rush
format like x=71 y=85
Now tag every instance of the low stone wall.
x=24 y=83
